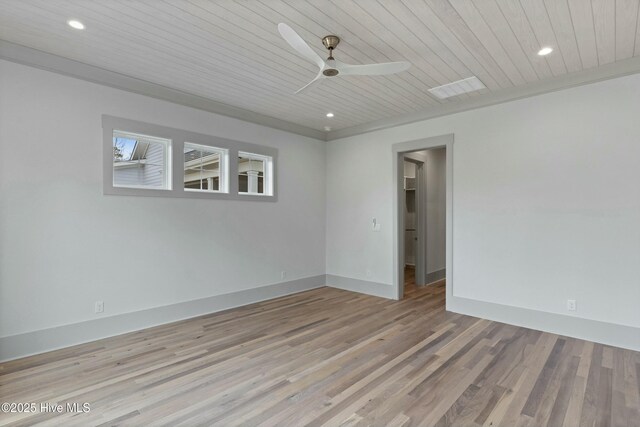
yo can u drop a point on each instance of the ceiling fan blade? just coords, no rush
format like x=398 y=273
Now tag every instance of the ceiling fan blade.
x=318 y=78
x=296 y=42
x=373 y=69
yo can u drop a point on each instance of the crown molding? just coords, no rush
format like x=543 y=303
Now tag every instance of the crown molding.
x=604 y=72
x=46 y=61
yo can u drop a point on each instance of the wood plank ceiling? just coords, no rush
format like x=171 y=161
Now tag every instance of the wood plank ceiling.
x=231 y=51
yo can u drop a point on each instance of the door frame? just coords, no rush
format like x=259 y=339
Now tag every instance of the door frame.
x=398 y=156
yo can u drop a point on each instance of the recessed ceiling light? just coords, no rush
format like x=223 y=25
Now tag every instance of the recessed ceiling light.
x=329 y=115
x=74 y=23
x=545 y=51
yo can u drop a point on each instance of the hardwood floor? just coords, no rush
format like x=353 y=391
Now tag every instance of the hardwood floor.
x=332 y=357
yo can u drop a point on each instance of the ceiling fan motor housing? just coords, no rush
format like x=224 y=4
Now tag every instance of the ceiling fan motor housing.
x=330 y=72
x=330 y=42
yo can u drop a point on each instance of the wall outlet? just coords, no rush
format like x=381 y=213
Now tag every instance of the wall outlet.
x=571 y=305
x=99 y=307
x=368 y=273
x=283 y=274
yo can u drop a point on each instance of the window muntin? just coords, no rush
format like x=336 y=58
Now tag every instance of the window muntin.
x=141 y=161
x=255 y=174
x=205 y=168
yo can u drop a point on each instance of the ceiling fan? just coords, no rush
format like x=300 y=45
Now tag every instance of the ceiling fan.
x=332 y=67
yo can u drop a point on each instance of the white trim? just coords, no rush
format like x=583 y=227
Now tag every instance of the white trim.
x=118 y=133
x=362 y=286
x=29 y=343
x=436 y=276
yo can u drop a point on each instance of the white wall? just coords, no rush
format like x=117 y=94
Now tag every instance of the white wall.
x=546 y=202
x=436 y=181
x=65 y=245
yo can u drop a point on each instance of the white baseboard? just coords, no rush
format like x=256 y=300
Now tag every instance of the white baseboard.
x=362 y=286
x=436 y=276
x=29 y=343
x=21 y=345
x=591 y=330
x=623 y=336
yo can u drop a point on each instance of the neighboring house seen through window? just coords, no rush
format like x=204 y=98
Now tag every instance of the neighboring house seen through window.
x=205 y=168
x=140 y=161
x=254 y=174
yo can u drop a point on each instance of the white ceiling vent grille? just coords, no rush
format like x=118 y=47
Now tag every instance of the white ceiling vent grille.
x=459 y=87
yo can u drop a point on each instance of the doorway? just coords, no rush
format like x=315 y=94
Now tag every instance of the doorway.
x=415 y=235
x=423 y=215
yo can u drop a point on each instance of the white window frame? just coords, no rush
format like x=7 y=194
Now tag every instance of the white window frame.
x=178 y=138
x=223 y=179
x=267 y=178
x=166 y=158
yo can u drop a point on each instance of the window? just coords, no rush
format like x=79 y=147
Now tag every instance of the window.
x=140 y=161
x=145 y=159
x=255 y=174
x=205 y=168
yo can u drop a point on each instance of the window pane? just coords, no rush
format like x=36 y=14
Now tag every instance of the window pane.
x=140 y=161
x=203 y=168
x=253 y=174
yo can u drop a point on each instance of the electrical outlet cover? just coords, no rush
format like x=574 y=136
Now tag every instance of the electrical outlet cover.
x=99 y=307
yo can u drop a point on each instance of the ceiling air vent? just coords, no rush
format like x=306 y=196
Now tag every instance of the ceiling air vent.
x=470 y=84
